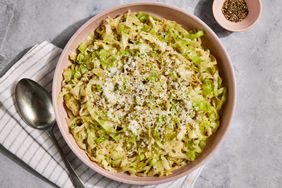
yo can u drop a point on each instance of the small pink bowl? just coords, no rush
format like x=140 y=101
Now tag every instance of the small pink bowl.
x=254 y=7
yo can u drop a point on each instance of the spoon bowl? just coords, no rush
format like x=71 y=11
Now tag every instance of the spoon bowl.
x=34 y=104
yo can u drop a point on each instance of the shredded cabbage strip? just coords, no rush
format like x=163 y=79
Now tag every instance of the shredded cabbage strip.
x=142 y=95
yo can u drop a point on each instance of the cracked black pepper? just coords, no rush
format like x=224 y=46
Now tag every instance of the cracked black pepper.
x=235 y=10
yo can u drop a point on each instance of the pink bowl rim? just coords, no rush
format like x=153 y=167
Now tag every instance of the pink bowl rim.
x=105 y=172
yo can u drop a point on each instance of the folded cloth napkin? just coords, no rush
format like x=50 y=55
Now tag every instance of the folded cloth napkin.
x=34 y=147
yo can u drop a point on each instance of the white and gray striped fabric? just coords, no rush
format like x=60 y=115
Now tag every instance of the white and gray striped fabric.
x=34 y=146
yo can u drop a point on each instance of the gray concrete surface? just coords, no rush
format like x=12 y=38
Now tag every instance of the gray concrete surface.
x=251 y=155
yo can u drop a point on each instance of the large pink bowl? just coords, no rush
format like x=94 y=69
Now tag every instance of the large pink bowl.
x=187 y=20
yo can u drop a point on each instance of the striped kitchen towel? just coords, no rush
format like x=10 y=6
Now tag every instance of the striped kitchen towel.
x=34 y=147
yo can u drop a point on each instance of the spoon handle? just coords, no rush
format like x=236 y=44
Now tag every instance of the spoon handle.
x=77 y=183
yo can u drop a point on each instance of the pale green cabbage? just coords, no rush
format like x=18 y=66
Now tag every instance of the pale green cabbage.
x=142 y=95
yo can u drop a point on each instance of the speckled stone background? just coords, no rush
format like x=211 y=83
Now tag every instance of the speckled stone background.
x=251 y=154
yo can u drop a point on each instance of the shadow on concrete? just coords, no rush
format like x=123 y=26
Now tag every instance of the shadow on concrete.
x=13 y=61
x=204 y=11
x=59 y=41
x=62 y=39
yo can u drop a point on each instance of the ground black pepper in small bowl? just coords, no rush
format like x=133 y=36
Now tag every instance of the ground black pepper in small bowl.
x=235 y=10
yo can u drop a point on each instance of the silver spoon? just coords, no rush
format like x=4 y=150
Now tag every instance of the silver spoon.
x=35 y=108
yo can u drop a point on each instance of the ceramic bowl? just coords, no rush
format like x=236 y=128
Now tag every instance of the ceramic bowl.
x=188 y=21
x=254 y=7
